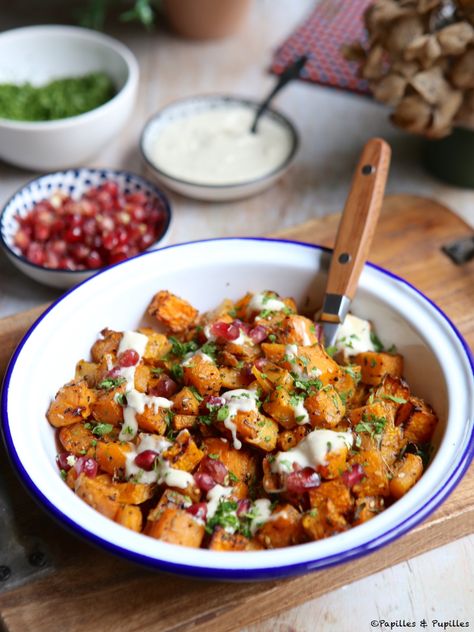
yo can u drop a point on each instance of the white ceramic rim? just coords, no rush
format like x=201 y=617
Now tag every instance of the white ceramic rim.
x=85 y=34
x=231 y=187
x=456 y=450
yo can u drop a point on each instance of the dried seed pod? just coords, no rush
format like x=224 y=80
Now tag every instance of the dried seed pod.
x=444 y=114
x=462 y=75
x=425 y=49
x=354 y=52
x=374 y=64
x=384 y=11
x=412 y=114
x=407 y=69
x=465 y=114
x=427 y=5
x=454 y=39
x=402 y=32
x=431 y=85
x=390 y=89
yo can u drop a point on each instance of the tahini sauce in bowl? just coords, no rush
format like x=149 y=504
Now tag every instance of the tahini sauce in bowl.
x=203 y=147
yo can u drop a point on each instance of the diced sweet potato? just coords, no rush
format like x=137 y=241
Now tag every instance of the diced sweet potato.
x=336 y=491
x=290 y=438
x=169 y=498
x=375 y=365
x=71 y=404
x=391 y=389
x=157 y=346
x=324 y=521
x=233 y=378
x=142 y=378
x=421 y=424
x=279 y=406
x=106 y=408
x=176 y=526
x=77 y=439
x=180 y=422
x=223 y=541
x=107 y=345
x=126 y=493
x=173 y=312
x=184 y=453
x=346 y=383
x=375 y=481
x=241 y=463
x=336 y=462
x=203 y=375
x=91 y=491
x=298 y=330
x=153 y=420
x=111 y=457
x=185 y=402
x=407 y=473
x=283 y=529
x=325 y=407
x=87 y=371
x=312 y=361
x=256 y=429
x=366 y=507
x=130 y=516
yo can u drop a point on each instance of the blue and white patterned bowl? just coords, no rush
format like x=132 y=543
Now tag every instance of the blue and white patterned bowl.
x=74 y=182
x=438 y=366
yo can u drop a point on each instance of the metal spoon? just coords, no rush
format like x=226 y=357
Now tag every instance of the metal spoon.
x=354 y=235
x=292 y=72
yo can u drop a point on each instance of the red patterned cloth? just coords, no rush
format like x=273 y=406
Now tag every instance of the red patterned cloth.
x=331 y=24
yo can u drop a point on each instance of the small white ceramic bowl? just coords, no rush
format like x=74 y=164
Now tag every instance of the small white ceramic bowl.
x=74 y=182
x=439 y=368
x=38 y=54
x=185 y=108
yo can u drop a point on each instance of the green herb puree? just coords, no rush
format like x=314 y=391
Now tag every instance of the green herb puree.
x=58 y=99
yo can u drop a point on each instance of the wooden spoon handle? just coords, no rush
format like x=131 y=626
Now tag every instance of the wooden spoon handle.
x=361 y=213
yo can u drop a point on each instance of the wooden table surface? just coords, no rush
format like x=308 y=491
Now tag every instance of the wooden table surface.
x=333 y=126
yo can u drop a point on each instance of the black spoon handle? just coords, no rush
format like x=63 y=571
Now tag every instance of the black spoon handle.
x=287 y=75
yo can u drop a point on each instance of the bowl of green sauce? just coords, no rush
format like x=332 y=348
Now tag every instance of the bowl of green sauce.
x=65 y=92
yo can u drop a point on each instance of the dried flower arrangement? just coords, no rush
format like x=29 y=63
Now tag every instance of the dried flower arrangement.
x=419 y=58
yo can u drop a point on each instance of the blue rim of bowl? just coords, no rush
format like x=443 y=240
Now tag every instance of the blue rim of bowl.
x=225 y=98
x=268 y=572
x=115 y=172
x=115 y=44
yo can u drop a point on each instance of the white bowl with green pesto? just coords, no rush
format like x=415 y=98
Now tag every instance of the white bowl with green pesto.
x=438 y=367
x=38 y=55
x=202 y=147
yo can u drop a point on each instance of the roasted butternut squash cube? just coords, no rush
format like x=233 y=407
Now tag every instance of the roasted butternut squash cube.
x=172 y=312
x=323 y=521
x=112 y=457
x=71 y=404
x=299 y=330
x=421 y=423
x=223 y=541
x=87 y=371
x=325 y=407
x=91 y=491
x=185 y=402
x=367 y=507
x=336 y=463
x=169 y=498
x=153 y=420
x=375 y=481
x=203 y=375
x=176 y=526
x=375 y=365
x=280 y=405
x=233 y=378
x=407 y=473
x=283 y=529
x=130 y=516
x=106 y=407
x=77 y=439
x=290 y=438
x=256 y=429
x=157 y=346
x=184 y=453
x=336 y=491
x=180 y=422
x=106 y=346
x=242 y=464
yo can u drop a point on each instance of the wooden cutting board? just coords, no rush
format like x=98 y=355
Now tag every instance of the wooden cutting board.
x=90 y=589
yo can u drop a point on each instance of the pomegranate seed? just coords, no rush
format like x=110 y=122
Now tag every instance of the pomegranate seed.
x=258 y=334
x=146 y=460
x=116 y=256
x=73 y=235
x=198 y=510
x=35 y=253
x=136 y=198
x=114 y=373
x=58 y=246
x=215 y=468
x=22 y=240
x=111 y=188
x=94 y=260
x=165 y=387
x=62 y=461
x=86 y=465
x=243 y=506
x=354 y=475
x=228 y=331
x=110 y=240
x=204 y=481
x=260 y=363
x=212 y=401
x=129 y=357
x=302 y=480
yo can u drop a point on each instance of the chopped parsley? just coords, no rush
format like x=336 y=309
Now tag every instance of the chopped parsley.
x=111 y=382
x=196 y=393
x=156 y=370
x=177 y=372
x=233 y=478
x=121 y=399
x=331 y=350
x=351 y=370
x=372 y=425
x=100 y=429
x=180 y=349
x=63 y=474
x=210 y=349
x=378 y=345
x=225 y=516
x=392 y=398
x=222 y=413
x=272 y=337
x=215 y=457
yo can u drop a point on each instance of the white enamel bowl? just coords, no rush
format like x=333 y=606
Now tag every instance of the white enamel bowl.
x=438 y=367
x=185 y=108
x=38 y=54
